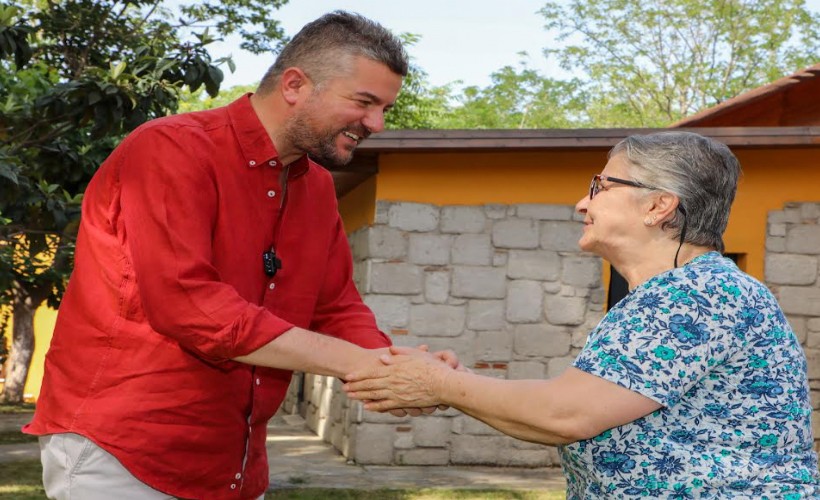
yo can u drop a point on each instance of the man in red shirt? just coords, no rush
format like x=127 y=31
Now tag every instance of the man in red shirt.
x=210 y=252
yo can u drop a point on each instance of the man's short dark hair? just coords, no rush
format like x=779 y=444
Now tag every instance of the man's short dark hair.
x=324 y=49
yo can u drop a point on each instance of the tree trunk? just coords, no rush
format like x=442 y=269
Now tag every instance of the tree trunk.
x=22 y=349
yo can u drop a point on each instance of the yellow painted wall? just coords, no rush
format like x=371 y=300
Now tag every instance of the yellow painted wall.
x=44 y=320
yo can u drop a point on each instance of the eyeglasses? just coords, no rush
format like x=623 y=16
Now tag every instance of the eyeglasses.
x=596 y=186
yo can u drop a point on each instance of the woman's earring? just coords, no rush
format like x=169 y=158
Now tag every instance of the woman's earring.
x=649 y=221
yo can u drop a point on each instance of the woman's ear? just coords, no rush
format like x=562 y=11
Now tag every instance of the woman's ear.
x=662 y=207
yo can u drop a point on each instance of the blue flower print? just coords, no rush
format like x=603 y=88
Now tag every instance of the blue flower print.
x=650 y=300
x=611 y=463
x=751 y=317
x=716 y=410
x=760 y=386
x=668 y=465
x=682 y=436
x=687 y=331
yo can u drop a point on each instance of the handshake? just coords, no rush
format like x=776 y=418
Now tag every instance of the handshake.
x=404 y=381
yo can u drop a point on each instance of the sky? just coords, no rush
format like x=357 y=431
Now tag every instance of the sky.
x=463 y=40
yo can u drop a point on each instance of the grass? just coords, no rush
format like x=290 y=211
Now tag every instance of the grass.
x=16 y=437
x=21 y=408
x=22 y=480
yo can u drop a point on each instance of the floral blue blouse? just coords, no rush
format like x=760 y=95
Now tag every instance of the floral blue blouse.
x=711 y=345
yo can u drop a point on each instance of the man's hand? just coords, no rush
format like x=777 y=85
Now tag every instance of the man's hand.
x=410 y=378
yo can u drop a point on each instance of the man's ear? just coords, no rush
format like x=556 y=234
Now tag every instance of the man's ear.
x=662 y=206
x=294 y=85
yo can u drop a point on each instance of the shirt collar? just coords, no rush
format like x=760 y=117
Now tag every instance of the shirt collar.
x=257 y=148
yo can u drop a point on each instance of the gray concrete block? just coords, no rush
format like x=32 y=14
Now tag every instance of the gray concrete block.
x=395 y=278
x=803 y=238
x=777 y=229
x=385 y=242
x=810 y=211
x=472 y=249
x=485 y=314
x=382 y=212
x=512 y=457
x=432 y=431
x=541 y=341
x=799 y=300
x=413 y=216
x=790 y=269
x=423 y=456
x=463 y=219
x=565 y=310
x=372 y=444
x=429 y=249
x=392 y=311
x=515 y=233
x=534 y=265
x=525 y=370
x=469 y=426
x=437 y=286
x=581 y=271
x=524 y=302
x=495 y=211
x=775 y=244
x=799 y=328
x=437 y=320
x=557 y=366
x=476 y=450
x=561 y=236
x=500 y=258
x=479 y=282
x=545 y=212
x=495 y=346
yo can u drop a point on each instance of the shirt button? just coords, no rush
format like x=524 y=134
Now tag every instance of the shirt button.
x=238 y=475
x=272 y=286
x=252 y=163
x=272 y=163
x=257 y=383
x=271 y=193
x=233 y=486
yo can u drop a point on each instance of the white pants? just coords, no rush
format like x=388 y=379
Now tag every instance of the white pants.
x=74 y=468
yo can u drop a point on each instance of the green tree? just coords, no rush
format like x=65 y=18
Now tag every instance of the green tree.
x=652 y=63
x=516 y=98
x=75 y=76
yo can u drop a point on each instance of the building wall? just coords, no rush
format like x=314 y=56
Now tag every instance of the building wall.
x=504 y=286
x=792 y=259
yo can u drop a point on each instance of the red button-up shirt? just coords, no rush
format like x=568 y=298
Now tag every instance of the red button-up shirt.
x=169 y=286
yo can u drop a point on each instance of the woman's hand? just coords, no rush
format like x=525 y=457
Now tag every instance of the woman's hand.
x=410 y=379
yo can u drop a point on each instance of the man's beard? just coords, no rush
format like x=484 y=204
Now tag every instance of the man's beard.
x=320 y=145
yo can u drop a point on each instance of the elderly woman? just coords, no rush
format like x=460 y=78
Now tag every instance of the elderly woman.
x=692 y=386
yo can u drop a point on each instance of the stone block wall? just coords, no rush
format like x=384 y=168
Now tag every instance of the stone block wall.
x=504 y=286
x=791 y=271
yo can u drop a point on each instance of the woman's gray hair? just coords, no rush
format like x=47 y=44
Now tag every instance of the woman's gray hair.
x=702 y=172
x=324 y=49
